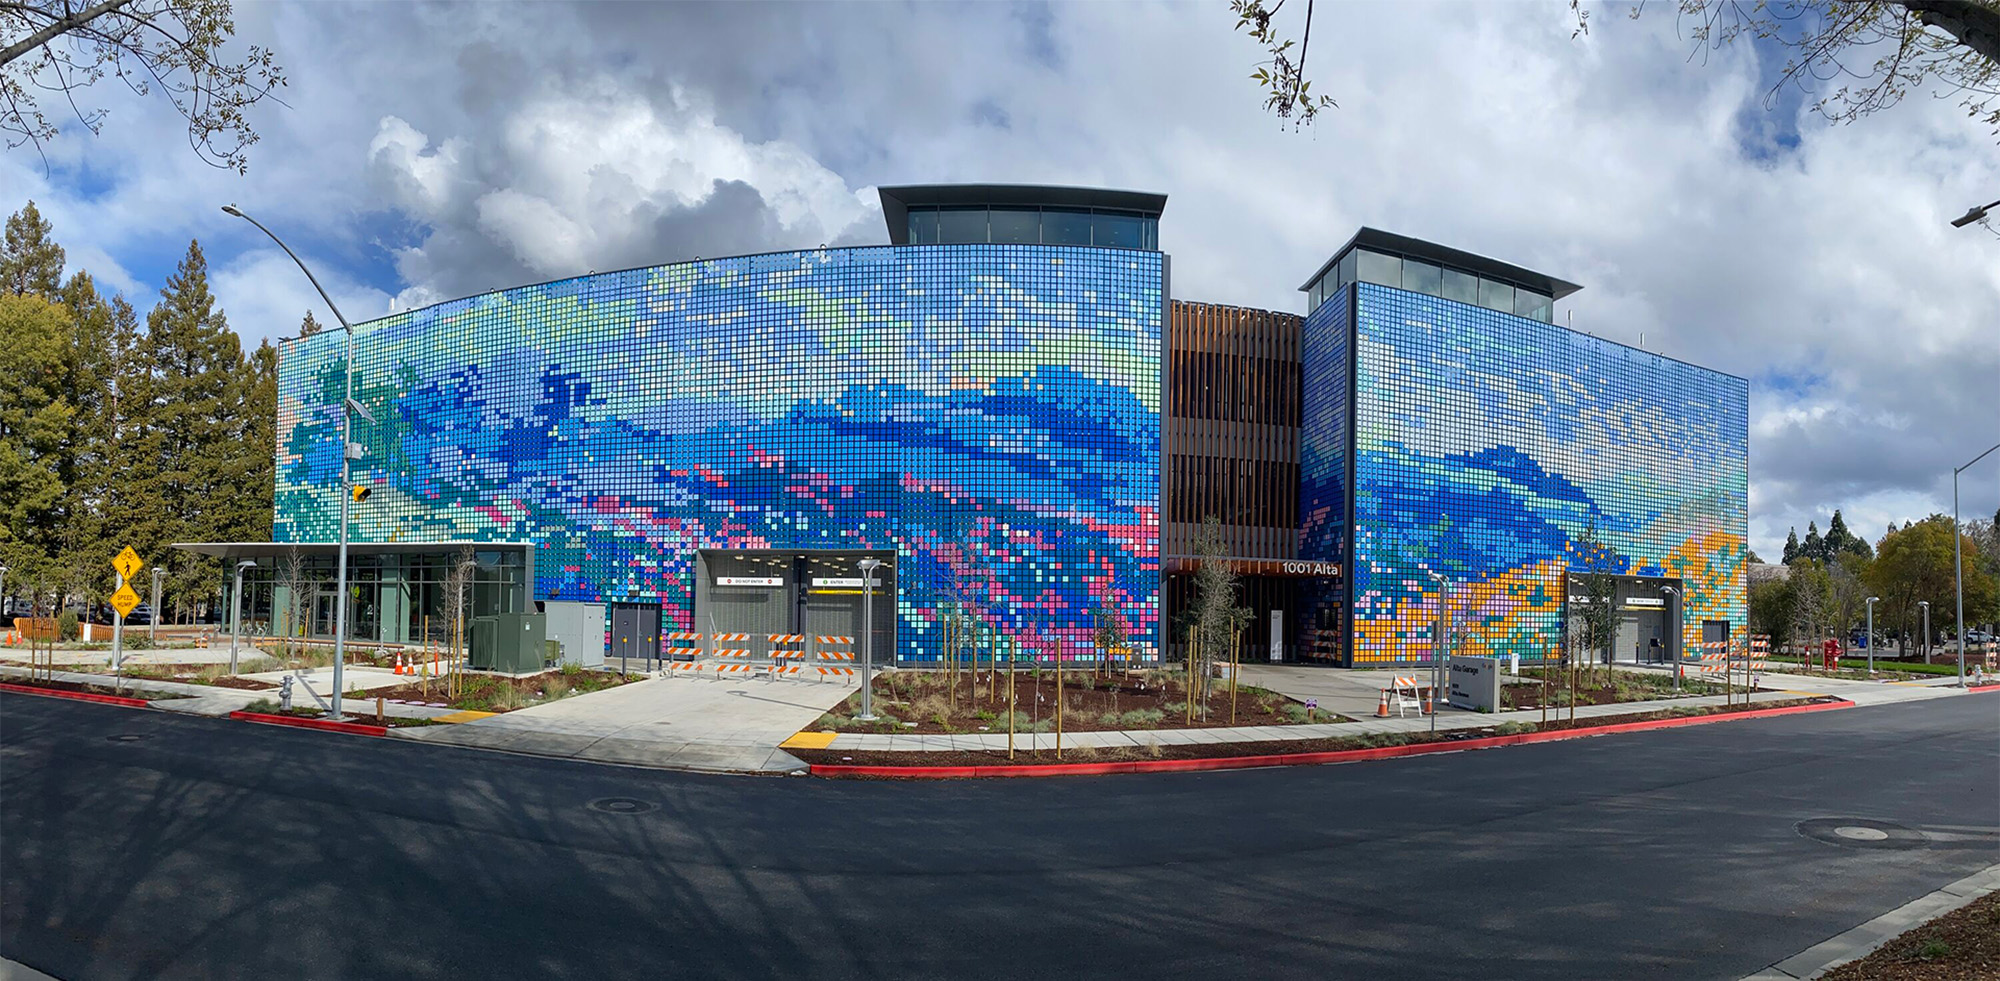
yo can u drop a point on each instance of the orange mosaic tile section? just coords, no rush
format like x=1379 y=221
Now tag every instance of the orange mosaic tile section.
x=1712 y=569
x=1520 y=611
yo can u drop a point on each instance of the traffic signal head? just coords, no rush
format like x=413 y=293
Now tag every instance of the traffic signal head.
x=360 y=493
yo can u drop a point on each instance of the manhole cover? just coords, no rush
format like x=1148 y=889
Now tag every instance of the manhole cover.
x=620 y=805
x=125 y=737
x=1861 y=833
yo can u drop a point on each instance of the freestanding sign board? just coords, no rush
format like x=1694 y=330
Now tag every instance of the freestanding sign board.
x=1277 y=636
x=1475 y=684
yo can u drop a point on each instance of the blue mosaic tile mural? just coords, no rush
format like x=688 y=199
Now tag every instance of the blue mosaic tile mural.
x=1485 y=444
x=990 y=412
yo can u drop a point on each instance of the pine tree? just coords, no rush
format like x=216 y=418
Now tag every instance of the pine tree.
x=1814 y=547
x=1791 y=546
x=1850 y=543
x=309 y=326
x=187 y=451
x=31 y=263
x=34 y=419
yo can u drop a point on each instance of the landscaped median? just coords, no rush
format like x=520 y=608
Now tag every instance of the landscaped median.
x=815 y=748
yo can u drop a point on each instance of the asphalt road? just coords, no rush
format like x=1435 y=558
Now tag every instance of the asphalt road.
x=215 y=849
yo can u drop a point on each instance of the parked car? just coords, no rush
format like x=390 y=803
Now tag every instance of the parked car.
x=141 y=615
x=1978 y=637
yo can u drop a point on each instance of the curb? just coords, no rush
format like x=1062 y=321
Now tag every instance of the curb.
x=1992 y=687
x=351 y=728
x=1297 y=759
x=81 y=696
x=1863 y=940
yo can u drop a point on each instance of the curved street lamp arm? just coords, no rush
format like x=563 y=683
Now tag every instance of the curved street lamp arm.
x=344 y=325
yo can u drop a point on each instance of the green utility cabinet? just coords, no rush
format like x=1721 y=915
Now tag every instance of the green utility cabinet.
x=513 y=643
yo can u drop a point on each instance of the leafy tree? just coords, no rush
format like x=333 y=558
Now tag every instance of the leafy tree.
x=174 y=47
x=1595 y=584
x=34 y=419
x=30 y=260
x=1771 y=607
x=1915 y=564
x=1754 y=558
x=1811 y=595
x=1791 y=546
x=1216 y=617
x=187 y=454
x=1881 y=50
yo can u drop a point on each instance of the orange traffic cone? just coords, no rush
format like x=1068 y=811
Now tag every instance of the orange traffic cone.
x=1382 y=707
x=400 y=669
x=1427 y=701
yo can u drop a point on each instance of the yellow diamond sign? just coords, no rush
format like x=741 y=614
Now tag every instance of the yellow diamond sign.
x=124 y=600
x=128 y=563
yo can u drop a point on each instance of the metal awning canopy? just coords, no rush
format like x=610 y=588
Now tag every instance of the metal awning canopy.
x=279 y=550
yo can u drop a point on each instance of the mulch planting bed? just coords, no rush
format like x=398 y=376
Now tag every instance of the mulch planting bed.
x=1209 y=751
x=131 y=689
x=190 y=674
x=484 y=692
x=1147 y=700
x=1598 y=692
x=1962 y=945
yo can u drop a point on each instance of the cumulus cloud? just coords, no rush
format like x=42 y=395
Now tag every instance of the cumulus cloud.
x=266 y=298
x=596 y=177
x=437 y=151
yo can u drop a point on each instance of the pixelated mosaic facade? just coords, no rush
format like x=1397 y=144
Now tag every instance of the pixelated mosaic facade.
x=1484 y=444
x=990 y=412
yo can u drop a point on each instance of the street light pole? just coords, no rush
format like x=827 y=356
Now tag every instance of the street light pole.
x=236 y=612
x=1872 y=600
x=868 y=566
x=1958 y=552
x=1924 y=644
x=1437 y=647
x=346 y=457
x=1674 y=632
x=153 y=620
x=1973 y=214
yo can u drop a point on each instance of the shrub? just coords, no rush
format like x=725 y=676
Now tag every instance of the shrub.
x=1110 y=720
x=556 y=687
x=1296 y=713
x=263 y=705
x=1141 y=719
x=1175 y=708
x=1513 y=728
x=67 y=627
x=1933 y=949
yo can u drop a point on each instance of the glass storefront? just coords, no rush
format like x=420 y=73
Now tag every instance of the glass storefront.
x=393 y=596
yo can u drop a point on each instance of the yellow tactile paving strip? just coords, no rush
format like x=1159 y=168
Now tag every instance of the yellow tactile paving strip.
x=468 y=715
x=808 y=740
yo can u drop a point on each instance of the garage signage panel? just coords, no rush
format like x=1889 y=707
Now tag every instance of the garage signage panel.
x=1475 y=684
x=749 y=581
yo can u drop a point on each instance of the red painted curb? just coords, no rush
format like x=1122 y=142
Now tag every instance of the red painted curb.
x=1295 y=759
x=81 y=696
x=1991 y=687
x=353 y=728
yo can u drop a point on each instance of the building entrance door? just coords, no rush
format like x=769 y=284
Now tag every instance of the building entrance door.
x=635 y=633
x=323 y=612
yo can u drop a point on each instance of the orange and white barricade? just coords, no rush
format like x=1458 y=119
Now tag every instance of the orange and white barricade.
x=1407 y=694
x=788 y=653
x=732 y=660
x=1714 y=660
x=683 y=644
x=837 y=650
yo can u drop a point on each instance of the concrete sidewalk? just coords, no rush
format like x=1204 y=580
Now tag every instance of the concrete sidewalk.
x=722 y=724
x=213 y=700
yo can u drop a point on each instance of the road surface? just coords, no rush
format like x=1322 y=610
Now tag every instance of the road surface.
x=148 y=844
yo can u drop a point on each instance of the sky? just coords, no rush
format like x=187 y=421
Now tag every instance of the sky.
x=429 y=151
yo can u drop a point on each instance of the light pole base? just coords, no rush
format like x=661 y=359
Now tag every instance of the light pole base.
x=866 y=718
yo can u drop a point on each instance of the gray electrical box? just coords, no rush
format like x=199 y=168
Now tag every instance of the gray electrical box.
x=579 y=628
x=511 y=643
